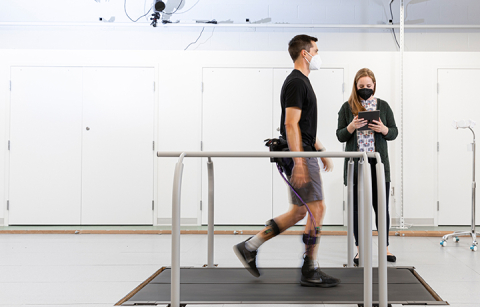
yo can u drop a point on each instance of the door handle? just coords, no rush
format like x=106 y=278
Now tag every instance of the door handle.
x=88 y=128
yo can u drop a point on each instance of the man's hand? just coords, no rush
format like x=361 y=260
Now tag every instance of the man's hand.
x=327 y=164
x=300 y=176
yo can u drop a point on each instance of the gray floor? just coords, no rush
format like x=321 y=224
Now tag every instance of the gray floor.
x=99 y=270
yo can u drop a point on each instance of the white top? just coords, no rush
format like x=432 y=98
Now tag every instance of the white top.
x=366 y=138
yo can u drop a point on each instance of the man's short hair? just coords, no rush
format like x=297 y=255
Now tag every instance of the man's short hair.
x=299 y=43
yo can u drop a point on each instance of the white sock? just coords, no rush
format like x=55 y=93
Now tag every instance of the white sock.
x=254 y=243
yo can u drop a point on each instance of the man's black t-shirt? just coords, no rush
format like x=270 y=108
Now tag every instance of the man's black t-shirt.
x=298 y=92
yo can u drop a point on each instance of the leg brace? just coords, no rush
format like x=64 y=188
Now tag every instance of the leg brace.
x=274 y=226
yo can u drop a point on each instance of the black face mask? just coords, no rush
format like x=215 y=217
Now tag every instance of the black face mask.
x=365 y=93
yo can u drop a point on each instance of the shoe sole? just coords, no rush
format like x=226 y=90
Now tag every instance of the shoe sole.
x=245 y=264
x=391 y=259
x=321 y=285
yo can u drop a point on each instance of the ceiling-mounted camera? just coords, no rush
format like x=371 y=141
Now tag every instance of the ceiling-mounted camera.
x=158 y=8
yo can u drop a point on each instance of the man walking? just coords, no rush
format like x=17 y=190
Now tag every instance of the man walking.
x=298 y=126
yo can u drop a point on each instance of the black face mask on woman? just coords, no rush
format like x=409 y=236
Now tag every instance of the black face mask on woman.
x=365 y=93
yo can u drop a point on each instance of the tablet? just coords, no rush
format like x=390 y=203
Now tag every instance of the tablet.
x=370 y=116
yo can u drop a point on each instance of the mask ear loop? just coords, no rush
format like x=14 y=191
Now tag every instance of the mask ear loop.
x=306 y=58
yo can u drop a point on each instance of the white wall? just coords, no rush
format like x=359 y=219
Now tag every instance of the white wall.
x=4 y=114
x=420 y=125
x=179 y=117
x=179 y=73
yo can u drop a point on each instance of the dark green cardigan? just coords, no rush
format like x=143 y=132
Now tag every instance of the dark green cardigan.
x=345 y=117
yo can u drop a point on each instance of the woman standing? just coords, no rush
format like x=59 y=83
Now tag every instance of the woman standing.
x=373 y=139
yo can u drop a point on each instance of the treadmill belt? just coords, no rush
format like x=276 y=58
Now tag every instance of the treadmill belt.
x=278 y=286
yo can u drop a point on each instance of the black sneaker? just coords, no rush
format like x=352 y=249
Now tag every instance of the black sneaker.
x=247 y=257
x=319 y=279
x=356 y=260
x=312 y=277
x=391 y=258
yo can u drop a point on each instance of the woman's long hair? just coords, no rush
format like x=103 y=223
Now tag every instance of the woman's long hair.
x=354 y=101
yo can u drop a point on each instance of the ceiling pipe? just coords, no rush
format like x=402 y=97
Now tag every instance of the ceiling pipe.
x=233 y=25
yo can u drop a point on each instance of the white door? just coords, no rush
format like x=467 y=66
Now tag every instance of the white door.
x=237 y=116
x=328 y=87
x=45 y=151
x=457 y=99
x=117 y=151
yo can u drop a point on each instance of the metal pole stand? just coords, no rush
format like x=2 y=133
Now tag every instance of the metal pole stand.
x=472 y=232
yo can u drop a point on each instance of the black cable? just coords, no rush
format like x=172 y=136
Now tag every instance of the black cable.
x=125 y=8
x=145 y=3
x=181 y=1
x=196 y=40
x=393 y=30
x=206 y=40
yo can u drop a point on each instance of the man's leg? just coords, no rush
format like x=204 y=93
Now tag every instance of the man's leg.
x=311 y=276
x=311 y=237
x=313 y=231
x=246 y=251
x=283 y=222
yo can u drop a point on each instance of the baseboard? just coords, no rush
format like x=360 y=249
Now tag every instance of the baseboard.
x=413 y=221
x=183 y=221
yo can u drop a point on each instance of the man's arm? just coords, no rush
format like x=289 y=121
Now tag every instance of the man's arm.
x=294 y=135
x=318 y=145
x=294 y=138
x=327 y=162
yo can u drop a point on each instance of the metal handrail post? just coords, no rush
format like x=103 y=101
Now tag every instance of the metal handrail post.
x=382 y=236
x=211 y=222
x=367 y=244
x=361 y=213
x=176 y=194
x=350 y=238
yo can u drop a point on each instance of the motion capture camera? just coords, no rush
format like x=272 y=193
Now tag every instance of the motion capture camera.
x=159 y=6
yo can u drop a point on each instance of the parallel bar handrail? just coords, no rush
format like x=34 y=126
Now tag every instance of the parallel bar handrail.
x=382 y=230
x=261 y=154
x=364 y=229
x=211 y=208
x=177 y=192
x=350 y=239
x=361 y=213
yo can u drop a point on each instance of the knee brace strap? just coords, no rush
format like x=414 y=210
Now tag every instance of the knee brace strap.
x=309 y=240
x=275 y=229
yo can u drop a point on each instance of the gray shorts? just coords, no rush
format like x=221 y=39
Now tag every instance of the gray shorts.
x=313 y=190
